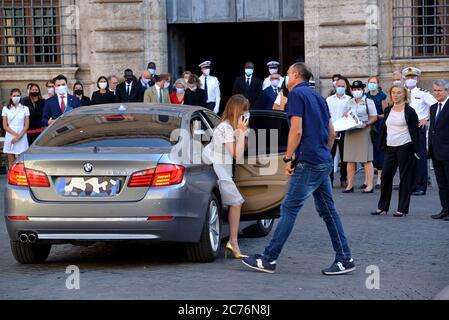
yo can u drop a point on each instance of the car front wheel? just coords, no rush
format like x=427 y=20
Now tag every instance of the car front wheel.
x=207 y=249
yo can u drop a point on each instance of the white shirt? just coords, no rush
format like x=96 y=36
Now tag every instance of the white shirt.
x=66 y=101
x=250 y=78
x=442 y=106
x=158 y=90
x=267 y=82
x=397 y=129
x=213 y=91
x=421 y=101
x=361 y=108
x=337 y=105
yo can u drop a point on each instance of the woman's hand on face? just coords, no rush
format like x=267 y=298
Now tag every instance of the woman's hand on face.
x=242 y=124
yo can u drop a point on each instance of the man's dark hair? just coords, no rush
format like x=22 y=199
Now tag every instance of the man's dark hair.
x=305 y=73
x=128 y=71
x=60 y=77
x=151 y=64
x=164 y=76
x=339 y=76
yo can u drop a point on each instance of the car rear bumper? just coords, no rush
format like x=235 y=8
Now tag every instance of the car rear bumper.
x=175 y=220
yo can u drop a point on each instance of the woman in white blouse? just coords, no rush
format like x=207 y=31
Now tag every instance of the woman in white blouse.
x=15 y=123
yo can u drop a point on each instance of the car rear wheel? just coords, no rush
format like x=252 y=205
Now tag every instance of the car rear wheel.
x=207 y=249
x=30 y=253
x=260 y=229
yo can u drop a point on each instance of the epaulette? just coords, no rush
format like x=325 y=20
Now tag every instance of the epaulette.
x=424 y=90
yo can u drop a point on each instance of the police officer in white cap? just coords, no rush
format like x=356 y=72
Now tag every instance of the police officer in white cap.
x=211 y=85
x=273 y=68
x=421 y=100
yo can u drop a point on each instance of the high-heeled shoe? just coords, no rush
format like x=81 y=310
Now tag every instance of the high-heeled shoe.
x=399 y=214
x=235 y=253
x=379 y=212
x=371 y=191
x=349 y=191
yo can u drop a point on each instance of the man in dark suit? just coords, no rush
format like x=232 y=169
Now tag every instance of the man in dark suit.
x=270 y=94
x=130 y=90
x=439 y=143
x=60 y=103
x=249 y=85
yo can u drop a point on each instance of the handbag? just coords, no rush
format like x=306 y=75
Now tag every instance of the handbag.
x=373 y=130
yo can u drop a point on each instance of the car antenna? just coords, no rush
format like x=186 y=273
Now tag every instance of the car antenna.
x=96 y=149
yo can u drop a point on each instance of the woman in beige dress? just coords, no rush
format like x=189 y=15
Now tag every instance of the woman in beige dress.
x=358 y=144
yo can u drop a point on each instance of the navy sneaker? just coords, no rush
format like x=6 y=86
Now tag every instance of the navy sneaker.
x=260 y=263
x=339 y=267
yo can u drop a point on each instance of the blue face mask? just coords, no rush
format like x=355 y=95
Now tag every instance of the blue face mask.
x=249 y=72
x=372 y=86
x=152 y=71
x=341 y=91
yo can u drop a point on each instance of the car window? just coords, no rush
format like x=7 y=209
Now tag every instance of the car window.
x=200 y=130
x=213 y=119
x=268 y=122
x=112 y=130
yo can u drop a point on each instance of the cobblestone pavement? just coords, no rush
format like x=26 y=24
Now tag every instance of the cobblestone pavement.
x=411 y=253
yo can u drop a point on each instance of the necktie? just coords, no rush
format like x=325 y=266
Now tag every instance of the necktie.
x=276 y=91
x=247 y=82
x=440 y=105
x=160 y=95
x=127 y=90
x=205 y=88
x=62 y=103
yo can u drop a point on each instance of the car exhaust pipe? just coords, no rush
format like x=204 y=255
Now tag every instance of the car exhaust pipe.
x=32 y=237
x=23 y=237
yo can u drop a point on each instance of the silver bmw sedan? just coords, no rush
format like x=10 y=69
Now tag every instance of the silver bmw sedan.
x=112 y=173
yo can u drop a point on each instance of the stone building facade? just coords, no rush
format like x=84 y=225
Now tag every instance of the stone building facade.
x=357 y=38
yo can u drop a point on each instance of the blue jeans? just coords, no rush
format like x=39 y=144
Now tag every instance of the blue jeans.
x=309 y=180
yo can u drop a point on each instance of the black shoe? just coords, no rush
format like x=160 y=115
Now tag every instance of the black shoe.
x=340 y=267
x=399 y=214
x=260 y=263
x=371 y=191
x=419 y=193
x=349 y=191
x=363 y=186
x=379 y=212
x=440 y=215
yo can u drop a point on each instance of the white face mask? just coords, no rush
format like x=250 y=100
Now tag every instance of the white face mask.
x=246 y=115
x=411 y=83
x=249 y=72
x=334 y=83
x=166 y=85
x=61 y=90
x=152 y=71
x=206 y=72
x=273 y=70
x=357 y=94
x=15 y=100
x=103 y=85
x=180 y=90
x=275 y=83
x=51 y=90
x=397 y=83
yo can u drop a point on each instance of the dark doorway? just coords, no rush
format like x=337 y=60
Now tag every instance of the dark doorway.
x=230 y=45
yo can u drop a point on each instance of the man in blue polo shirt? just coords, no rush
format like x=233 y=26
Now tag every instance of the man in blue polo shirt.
x=309 y=163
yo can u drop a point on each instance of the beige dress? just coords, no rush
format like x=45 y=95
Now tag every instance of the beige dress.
x=358 y=144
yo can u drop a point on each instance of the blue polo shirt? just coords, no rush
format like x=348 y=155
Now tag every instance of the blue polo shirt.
x=308 y=104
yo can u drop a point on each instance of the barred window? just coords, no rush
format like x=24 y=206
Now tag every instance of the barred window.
x=32 y=34
x=420 y=28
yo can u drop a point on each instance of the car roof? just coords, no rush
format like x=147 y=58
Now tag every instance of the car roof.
x=142 y=108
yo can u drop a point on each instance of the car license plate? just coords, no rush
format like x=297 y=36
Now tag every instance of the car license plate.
x=89 y=186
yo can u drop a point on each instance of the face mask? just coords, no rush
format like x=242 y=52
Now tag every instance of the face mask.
x=397 y=83
x=246 y=115
x=166 y=85
x=34 y=94
x=206 y=72
x=334 y=83
x=61 y=90
x=249 y=72
x=78 y=92
x=357 y=94
x=180 y=90
x=152 y=71
x=15 y=100
x=103 y=85
x=145 y=80
x=411 y=83
x=372 y=86
x=129 y=80
x=51 y=90
x=341 y=91
x=273 y=70
x=275 y=83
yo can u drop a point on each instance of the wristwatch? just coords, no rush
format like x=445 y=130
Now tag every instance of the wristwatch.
x=287 y=160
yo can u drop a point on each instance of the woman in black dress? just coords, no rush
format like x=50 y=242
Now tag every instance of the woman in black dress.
x=103 y=95
x=35 y=104
x=195 y=96
x=78 y=91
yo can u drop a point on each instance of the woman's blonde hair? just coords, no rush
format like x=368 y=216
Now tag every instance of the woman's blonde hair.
x=404 y=91
x=235 y=107
x=182 y=82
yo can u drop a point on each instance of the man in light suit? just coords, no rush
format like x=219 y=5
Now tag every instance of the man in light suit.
x=439 y=143
x=60 y=103
x=159 y=92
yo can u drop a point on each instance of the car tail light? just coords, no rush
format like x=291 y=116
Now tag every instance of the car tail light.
x=163 y=175
x=141 y=179
x=164 y=218
x=18 y=218
x=168 y=175
x=22 y=177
